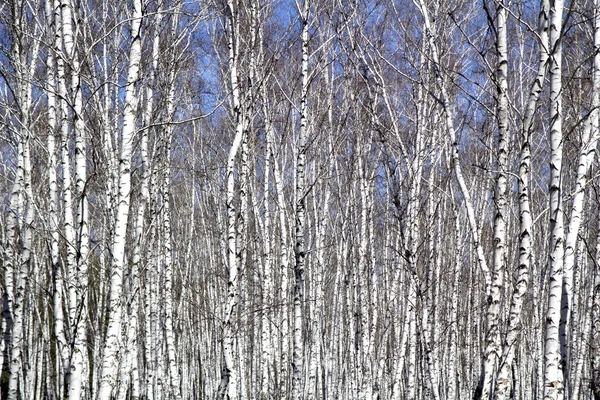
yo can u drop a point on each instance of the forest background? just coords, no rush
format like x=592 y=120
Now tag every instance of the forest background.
x=311 y=199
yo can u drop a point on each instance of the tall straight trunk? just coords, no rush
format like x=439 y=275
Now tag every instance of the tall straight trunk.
x=595 y=310
x=595 y=323
x=377 y=356
x=492 y=335
x=174 y=387
x=9 y=258
x=581 y=322
x=284 y=267
x=589 y=142
x=69 y=262
x=57 y=270
x=502 y=390
x=318 y=327
x=21 y=285
x=20 y=230
x=300 y=193
x=110 y=357
x=399 y=307
x=553 y=379
x=78 y=282
x=364 y=360
x=154 y=343
x=229 y=376
x=145 y=203
x=268 y=328
x=411 y=366
x=416 y=168
x=453 y=383
x=243 y=345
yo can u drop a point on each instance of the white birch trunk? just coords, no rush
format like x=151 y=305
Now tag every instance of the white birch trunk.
x=595 y=310
x=174 y=387
x=110 y=362
x=553 y=379
x=453 y=383
x=492 y=335
x=589 y=143
x=57 y=271
x=502 y=390
x=595 y=323
x=364 y=360
x=411 y=362
x=18 y=270
x=300 y=194
x=229 y=378
x=284 y=272
x=79 y=280
x=268 y=350
x=173 y=368
x=17 y=379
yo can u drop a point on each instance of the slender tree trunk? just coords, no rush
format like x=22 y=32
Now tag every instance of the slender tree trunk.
x=595 y=323
x=57 y=270
x=553 y=379
x=595 y=328
x=79 y=278
x=502 y=390
x=110 y=358
x=492 y=335
x=300 y=193
x=589 y=142
x=229 y=378
x=284 y=271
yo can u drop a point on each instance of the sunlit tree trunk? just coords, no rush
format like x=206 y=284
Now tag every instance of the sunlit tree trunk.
x=284 y=267
x=17 y=268
x=595 y=310
x=502 y=390
x=587 y=151
x=110 y=357
x=53 y=218
x=492 y=335
x=78 y=281
x=300 y=199
x=229 y=377
x=453 y=384
x=553 y=380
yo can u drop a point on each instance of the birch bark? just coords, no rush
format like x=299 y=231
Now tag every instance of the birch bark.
x=595 y=328
x=284 y=271
x=79 y=278
x=589 y=143
x=18 y=250
x=300 y=194
x=229 y=378
x=502 y=390
x=553 y=380
x=57 y=271
x=110 y=361
x=492 y=335
x=595 y=323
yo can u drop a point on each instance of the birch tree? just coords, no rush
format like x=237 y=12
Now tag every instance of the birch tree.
x=112 y=343
x=300 y=199
x=553 y=380
x=525 y=245
x=229 y=379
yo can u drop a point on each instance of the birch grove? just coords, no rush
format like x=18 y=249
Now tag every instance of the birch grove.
x=312 y=199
